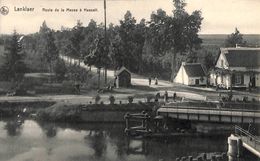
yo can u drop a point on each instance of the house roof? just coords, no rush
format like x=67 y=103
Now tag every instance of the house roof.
x=242 y=57
x=121 y=70
x=194 y=70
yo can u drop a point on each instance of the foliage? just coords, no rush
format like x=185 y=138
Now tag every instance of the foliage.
x=209 y=61
x=13 y=67
x=234 y=39
x=60 y=69
x=97 y=55
x=51 y=52
x=48 y=46
x=131 y=43
x=75 y=40
x=175 y=34
x=77 y=73
x=153 y=47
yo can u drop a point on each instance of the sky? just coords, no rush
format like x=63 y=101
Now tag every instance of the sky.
x=220 y=17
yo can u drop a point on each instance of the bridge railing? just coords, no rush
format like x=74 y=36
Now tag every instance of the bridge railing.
x=247 y=137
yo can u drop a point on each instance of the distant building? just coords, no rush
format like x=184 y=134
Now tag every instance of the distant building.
x=191 y=74
x=237 y=66
x=123 y=77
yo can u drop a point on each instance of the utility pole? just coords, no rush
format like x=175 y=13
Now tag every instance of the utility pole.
x=106 y=48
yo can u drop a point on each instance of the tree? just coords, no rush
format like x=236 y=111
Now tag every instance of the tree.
x=51 y=53
x=14 y=67
x=130 y=43
x=209 y=61
x=60 y=69
x=234 y=39
x=76 y=39
x=47 y=46
x=97 y=55
x=175 y=34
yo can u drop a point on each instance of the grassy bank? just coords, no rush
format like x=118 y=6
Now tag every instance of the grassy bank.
x=91 y=112
x=8 y=109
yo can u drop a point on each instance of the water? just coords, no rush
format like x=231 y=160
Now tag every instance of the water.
x=34 y=141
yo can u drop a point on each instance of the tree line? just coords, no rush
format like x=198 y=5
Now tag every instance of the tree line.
x=143 y=47
x=155 y=47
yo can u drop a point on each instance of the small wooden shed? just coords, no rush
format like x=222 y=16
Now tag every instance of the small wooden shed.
x=191 y=74
x=123 y=77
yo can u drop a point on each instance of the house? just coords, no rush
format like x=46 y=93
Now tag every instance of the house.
x=191 y=74
x=237 y=67
x=123 y=77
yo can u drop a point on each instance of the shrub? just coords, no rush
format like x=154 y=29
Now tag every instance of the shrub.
x=112 y=99
x=130 y=99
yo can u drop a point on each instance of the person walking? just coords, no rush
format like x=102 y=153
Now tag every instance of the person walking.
x=174 y=96
x=165 y=96
x=150 y=80
x=156 y=81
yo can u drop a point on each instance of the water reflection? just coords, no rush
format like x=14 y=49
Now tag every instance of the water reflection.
x=13 y=128
x=97 y=141
x=49 y=129
x=137 y=146
x=94 y=142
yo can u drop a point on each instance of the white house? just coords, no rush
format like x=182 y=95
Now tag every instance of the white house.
x=239 y=67
x=191 y=74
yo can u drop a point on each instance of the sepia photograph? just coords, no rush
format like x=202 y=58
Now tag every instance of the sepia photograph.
x=129 y=80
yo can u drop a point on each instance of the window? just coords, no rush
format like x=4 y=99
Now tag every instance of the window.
x=222 y=63
x=238 y=79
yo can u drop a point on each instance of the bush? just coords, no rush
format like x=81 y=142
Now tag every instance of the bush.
x=112 y=99
x=130 y=99
x=77 y=73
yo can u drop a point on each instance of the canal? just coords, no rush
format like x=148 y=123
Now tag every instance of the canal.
x=35 y=141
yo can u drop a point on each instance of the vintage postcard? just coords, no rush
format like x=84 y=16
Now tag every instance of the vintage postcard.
x=129 y=80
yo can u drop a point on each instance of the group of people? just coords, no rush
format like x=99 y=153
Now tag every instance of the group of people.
x=155 y=81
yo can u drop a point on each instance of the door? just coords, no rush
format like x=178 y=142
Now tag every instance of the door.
x=252 y=80
x=197 y=81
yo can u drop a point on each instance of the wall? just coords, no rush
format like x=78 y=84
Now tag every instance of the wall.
x=109 y=115
x=225 y=63
x=181 y=77
x=257 y=80
x=192 y=81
